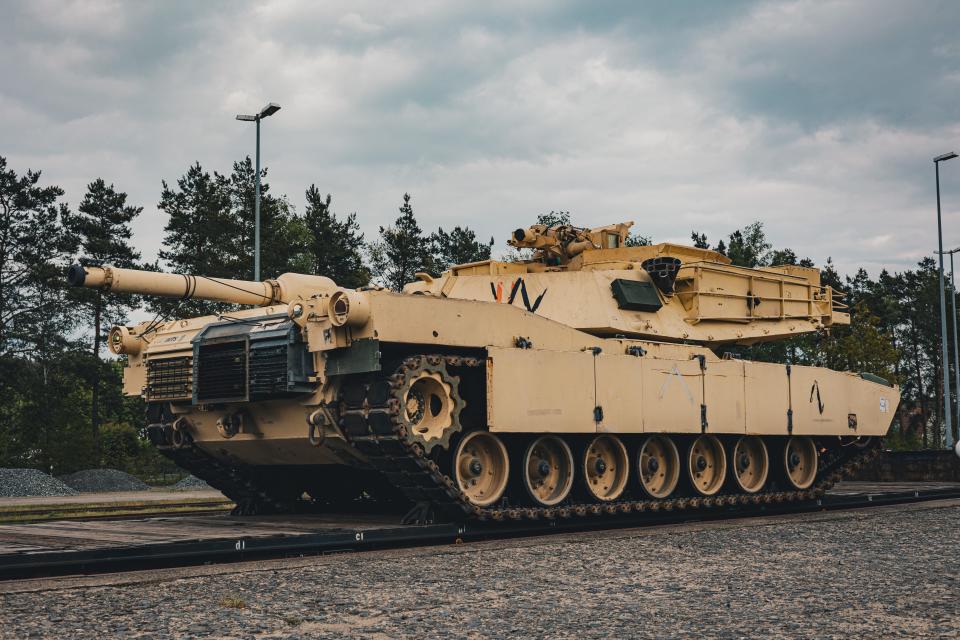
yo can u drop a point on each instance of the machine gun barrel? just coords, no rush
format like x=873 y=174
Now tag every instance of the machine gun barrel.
x=176 y=285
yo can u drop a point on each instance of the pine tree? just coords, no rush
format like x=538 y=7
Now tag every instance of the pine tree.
x=36 y=319
x=699 y=240
x=863 y=346
x=102 y=226
x=278 y=228
x=402 y=250
x=202 y=236
x=459 y=246
x=333 y=247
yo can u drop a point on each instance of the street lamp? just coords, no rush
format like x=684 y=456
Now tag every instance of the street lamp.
x=269 y=110
x=953 y=321
x=945 y=373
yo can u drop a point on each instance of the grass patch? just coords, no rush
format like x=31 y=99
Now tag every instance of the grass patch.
x=38 y=513
x=233 y=603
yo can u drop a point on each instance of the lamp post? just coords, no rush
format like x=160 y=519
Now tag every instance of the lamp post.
x=956 y=347
x=945 y=372
x=269 y=110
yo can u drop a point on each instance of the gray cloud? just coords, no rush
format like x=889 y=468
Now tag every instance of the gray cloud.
x=820 y=119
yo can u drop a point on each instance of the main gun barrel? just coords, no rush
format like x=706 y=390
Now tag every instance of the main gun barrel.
x=179 y=285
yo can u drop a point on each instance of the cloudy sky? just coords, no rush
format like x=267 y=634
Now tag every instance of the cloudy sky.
x=819 y=119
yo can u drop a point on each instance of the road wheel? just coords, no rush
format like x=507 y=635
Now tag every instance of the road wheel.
x=548 y=470
x=751 y=464
x=658 y=466
x=606 y=468
x=800 y=462
x=481 y=468
x=706 y=465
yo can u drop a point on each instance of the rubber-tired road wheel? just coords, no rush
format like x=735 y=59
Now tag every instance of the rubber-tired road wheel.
x=548 y=470
x=706 y=465
x=750 y=463
x=606 y=468
x=800 y=461
x=481 y=468
x=658 y=466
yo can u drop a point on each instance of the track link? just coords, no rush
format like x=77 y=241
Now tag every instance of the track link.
x=370 y=417
x=249 y=497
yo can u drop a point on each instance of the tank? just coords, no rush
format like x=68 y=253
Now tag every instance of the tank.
x=588 y=378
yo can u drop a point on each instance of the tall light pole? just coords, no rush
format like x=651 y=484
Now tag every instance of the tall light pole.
x=956 y=347
x=945 y=367
x=269 y=110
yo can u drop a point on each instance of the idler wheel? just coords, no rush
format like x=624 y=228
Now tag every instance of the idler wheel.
x=548 y=470
x=481 y=468
x=707 y=465
x=751 y=464
x=430 y=404
x=606 y=467
x=800 y=462
x=658 y=466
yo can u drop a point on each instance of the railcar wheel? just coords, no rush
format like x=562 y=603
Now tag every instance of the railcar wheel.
x=706 y=465
x=800 y=462
x=481 y=468
x=548 y=470
x=606 y=468
x=658 y=464
x=751 y=464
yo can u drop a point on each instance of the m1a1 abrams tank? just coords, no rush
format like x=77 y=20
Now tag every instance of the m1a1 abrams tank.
x=582 y=381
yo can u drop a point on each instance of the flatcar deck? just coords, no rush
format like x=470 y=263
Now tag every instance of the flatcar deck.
x=68 y=547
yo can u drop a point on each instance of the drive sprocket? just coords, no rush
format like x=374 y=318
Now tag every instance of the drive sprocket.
x=430 y=402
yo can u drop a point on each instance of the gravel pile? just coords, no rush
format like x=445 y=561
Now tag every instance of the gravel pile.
x=104 y=480
x=191 y=482
x=31 y=482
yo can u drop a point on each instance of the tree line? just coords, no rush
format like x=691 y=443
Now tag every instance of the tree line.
x=61 y=406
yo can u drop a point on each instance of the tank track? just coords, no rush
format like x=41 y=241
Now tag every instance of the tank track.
x=249 y=497
x=370 y=417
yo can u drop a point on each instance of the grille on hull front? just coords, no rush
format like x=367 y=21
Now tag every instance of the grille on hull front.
x=222 y=372
x=170 y=378
x=268 y=371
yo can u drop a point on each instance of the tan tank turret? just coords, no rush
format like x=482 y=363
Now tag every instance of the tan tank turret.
x=580 y=381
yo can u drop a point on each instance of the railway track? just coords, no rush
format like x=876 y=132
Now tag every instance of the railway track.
x=252 y=538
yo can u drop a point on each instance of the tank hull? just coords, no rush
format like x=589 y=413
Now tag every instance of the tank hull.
x=520 y=378
x=581 y=381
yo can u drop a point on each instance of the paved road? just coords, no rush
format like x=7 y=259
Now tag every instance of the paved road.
x=874 y=573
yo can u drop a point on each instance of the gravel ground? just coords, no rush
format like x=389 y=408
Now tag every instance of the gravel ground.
x=867 y=574
x=191 y=482
x=30 y=482
x=104 y=480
